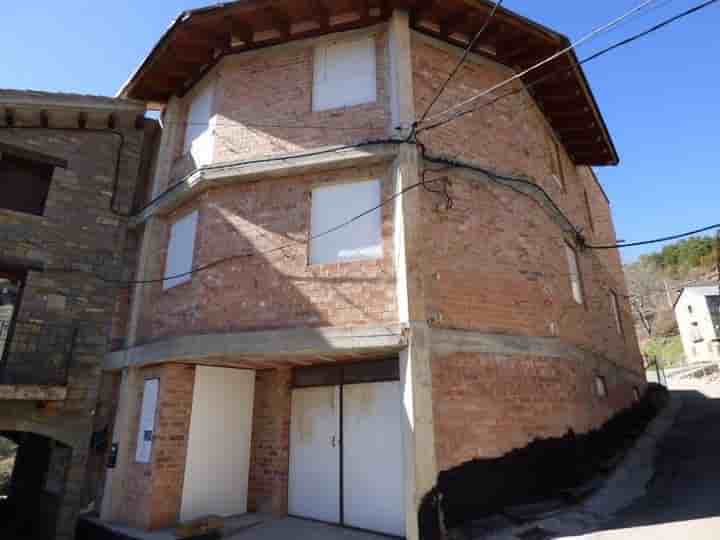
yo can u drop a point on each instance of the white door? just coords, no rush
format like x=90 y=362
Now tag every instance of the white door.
x=373 y=471
x=218 y=453
x=314 y=490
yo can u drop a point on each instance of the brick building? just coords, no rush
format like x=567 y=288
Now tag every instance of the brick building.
x=69 y=165
x=284 y=356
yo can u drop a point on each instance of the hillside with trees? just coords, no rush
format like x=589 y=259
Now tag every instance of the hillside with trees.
x=654 y=282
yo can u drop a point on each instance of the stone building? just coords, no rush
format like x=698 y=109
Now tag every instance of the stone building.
x=69 y=165
x=697 y=312
x=295 y=351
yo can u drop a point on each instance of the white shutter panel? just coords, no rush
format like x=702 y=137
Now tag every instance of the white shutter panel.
x=345 y=74
x=180 y=250
x=147 y=421
x=198 y=132
x=333 y=206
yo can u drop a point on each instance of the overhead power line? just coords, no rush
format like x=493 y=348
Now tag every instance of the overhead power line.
x=655 y=240
x=600 y=30
x=586 y=60
x=464 y=56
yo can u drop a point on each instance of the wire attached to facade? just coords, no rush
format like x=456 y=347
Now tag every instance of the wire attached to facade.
x=462 y=60
x=596 y=32
x=594 y=56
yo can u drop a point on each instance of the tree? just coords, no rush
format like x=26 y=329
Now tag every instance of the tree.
x=645 y=286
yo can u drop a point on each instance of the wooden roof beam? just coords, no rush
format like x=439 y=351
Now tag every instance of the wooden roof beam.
x=321 y=13
x=205 y=41
x=9 y=117
x=449 y=25
x=280 y=20
x=239 y=30
x=419 y=9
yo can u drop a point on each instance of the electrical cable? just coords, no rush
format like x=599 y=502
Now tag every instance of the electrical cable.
x=462 y=60
x=243 y=124
x=425 y=157
x=586 y=60
x=655 y=240
x=242 y=163
x=600 y=30
x=249 y=254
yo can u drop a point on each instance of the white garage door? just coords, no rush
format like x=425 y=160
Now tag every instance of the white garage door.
x=314 y=490
x=365 y=465
x=373 y=495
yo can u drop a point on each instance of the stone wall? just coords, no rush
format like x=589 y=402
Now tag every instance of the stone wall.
x=79 y=233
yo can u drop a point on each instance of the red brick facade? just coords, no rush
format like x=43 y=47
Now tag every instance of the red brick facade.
x=154 y=490
x=270 y=455
x=276 y=291
x=485 y=405
x=495 y=263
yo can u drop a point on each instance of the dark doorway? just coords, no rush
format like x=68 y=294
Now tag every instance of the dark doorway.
x=35 y=490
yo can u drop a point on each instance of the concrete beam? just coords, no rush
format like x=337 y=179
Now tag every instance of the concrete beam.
x=447 y=341
x=292 y=344
x=295 y=164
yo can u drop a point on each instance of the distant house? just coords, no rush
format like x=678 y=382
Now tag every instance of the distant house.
x=697 y=311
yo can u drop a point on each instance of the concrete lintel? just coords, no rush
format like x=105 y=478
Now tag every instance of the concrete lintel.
x=14 y=392
x=448 y=341
x=280 y=166
x=293 y=344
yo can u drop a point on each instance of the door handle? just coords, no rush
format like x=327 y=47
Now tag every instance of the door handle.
x=333 y=441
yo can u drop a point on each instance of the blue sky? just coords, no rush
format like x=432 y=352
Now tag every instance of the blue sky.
x=660 y=96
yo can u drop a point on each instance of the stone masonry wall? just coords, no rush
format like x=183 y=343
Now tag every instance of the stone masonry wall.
x=77 y=231
x=279 y=290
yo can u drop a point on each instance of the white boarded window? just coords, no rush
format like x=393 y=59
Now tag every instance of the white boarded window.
x=198 y=131
x=147 y=421
x=574 y=271
x=180 y=251
x=615 y=307
x=334 y=205
x=345 y=74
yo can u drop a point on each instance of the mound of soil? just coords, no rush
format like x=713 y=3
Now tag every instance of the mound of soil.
x=544 y=469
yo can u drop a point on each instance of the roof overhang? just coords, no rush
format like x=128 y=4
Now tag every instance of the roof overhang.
x=25 y=108
x=199 y=38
